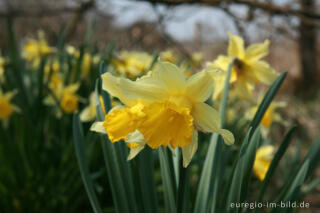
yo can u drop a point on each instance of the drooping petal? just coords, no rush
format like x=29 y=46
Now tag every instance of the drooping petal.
x=257 y=51
x=190 y=150
x=199 y=86
x=134 y=152
x=98 y=127
x=171 y=76
x=236 y=46
x=147 y=88
x=166 y=123
x=87 y=114
x=208 y=119
x=264 y=72
x=137 y=139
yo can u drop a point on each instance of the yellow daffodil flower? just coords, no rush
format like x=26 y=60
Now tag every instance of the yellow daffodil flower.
x=34 y=49
x=247 y=69
x=6 y=107
x=262 y=161
x=168 y=56
x=67 y=97
x=132 y=64
x=89 y=113
x=162 y=108
x=270 y=116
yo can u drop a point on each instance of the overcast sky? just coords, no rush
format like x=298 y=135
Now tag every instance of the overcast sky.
x=181 y=20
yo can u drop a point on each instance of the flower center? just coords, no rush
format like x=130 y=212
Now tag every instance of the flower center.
x=238 y=66
x=69 y=102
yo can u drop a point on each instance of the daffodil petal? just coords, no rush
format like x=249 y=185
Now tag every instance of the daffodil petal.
x=227 y=136
x=87 y=114
x=236 y=46
x=257 y=51
x=199 y=86
x=190 y=150
x=98 y=127
x=111 y=85
x=264 y=72
x=148 y=89
x=171 y=76
x=135 y=151
x=135 y=137
x=206 y=117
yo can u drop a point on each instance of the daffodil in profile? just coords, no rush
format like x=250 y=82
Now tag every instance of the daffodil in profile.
x=6 y=107
x=247 y=66
x=89 y=113
x=270 y=116
x=34 y=49
x=263 y=160
x=163 y=108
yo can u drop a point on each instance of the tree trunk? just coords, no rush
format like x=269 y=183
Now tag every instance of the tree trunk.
x=308 y=50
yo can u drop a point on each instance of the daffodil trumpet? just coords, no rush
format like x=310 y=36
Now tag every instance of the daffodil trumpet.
x=163 y=108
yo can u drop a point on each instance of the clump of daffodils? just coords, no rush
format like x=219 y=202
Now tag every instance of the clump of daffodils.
x=247 y=69
x=6 y=107
x=88 y=60
x=132 y=64
x=263 y=160
x=163 y=108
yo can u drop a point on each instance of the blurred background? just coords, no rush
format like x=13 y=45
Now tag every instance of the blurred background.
x=188 y=26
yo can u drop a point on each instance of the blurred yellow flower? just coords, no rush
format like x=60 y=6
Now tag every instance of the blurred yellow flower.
x=132 y=64
x=2 y=64
x=168 y=56
x=162 y=109
x=270 y=116
x=7 y=108
x=33 y=50
x=89 y=113
x=247 y=67
x=67 y=97
x=262 y=161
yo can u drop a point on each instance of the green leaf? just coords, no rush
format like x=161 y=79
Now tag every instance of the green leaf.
x=83 y=166
x=267 y=100
x=237 y=177
x=118 y=169
x=169 y=184
x=213 y=157
x=146 y=177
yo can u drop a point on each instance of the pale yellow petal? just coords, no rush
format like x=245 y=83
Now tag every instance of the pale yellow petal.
x=135 y=151
x=147 y=89
x=136 y=137
x=199 y=86
x=257 y=51
x=72 y=88
x=264 y=72
x=98 y=127
x=110 y=84
x=206 y=117
x=236 y=46
x=189 y=151
x=87 y=114
x=10 y=95
x=171 y=76
x=208 y=120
